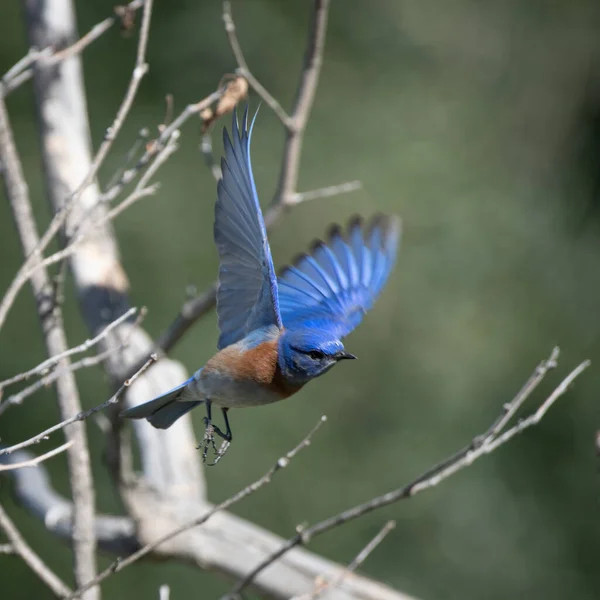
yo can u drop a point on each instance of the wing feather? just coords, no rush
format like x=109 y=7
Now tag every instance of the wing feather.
x=339 y=280
x=247 y=297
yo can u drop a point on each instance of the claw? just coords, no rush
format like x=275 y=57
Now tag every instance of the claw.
x=208 y=441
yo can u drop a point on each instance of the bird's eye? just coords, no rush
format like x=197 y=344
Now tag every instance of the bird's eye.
x=316 y=354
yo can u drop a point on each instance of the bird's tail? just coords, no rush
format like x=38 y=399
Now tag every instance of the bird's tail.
x=164 y=410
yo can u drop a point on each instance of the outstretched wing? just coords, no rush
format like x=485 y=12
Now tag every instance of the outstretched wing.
x=247 y=288
x=337 y=282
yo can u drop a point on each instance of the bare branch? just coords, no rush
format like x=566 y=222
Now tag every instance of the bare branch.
x=481 y=445
x=209 y=158
x=84 y=363
x=50 y=316
x=324 y=586
x=81 y=416
x=62 y=214
x=154 y=147
x=245 y=72
x=22 y=71
x=34 y=493
x=281 y=463
x=31 y=559
x=34 y=462
x=313 y=59
x=326 y=192
x=46 y=365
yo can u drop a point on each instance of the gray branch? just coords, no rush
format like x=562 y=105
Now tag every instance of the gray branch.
x=55 y=340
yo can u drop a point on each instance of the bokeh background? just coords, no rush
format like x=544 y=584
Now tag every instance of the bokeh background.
x=478 y=123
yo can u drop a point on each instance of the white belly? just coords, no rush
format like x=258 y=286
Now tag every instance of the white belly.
x=229 y=393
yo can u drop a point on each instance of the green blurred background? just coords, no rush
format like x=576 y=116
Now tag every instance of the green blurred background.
x=477 y=122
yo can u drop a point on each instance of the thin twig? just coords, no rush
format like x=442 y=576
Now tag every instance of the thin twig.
x=7 y=549
x=140 y=141
x=245 y=72
x=74 y=243
x=445 y=469
x=21 y=65
x=84 y=363
x=155 y=146
x=34 y=462
x=51 y=321
x=46 y=380
x=44 y=366
x=324 y=586
x=61 y=215
x=209 y=158
x=283 y=462
x=36 y=439
x=305 y=95
x=22 y=71
x=325 y=192
x=31 y=559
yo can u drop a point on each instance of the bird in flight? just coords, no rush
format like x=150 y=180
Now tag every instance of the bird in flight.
x=277 y=333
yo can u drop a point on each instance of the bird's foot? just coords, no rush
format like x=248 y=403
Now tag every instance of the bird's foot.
x=208 y=443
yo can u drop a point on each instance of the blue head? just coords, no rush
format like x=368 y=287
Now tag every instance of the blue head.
x=307 y=353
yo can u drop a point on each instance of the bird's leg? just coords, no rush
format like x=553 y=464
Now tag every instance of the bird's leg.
x=227 y=437
x=209 y=438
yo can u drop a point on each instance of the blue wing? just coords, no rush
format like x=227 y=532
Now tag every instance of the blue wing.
x=337 y=282
x=247 y=288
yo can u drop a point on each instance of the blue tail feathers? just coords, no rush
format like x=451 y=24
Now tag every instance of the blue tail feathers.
x=163 y=411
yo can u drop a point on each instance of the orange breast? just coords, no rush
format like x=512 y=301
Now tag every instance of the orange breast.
x=258 y=364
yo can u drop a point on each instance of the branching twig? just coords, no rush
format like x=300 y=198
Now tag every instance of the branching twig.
x=33 y=462
x=245 y=72
x=51 y=362
x=22 y=71
x=80 y=416
x=50 y=316
x=283 y=462
x=84 y=363
x=31 y=559
x=481 y=445
x=323 y=586
x=155 y=146
x=62 y=214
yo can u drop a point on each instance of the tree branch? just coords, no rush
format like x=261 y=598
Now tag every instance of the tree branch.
x=480 y=446
x=81 y=416
x=281 y=463
x=31 y=559
x=34 y=462
x=22 y=71
x=65 y=193
x=51 y=362
x=323 y=586
x=54 y=336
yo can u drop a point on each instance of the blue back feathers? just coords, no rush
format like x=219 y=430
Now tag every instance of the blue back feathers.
x=247 y=288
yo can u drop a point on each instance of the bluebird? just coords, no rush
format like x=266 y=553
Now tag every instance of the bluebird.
x=277 y=333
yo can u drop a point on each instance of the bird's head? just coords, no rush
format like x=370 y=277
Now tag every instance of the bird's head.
x=307 y=353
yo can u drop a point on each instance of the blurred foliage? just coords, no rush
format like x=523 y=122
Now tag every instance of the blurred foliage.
x=478 y=122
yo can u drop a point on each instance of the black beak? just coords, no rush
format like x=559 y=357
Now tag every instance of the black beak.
x=344 y=355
